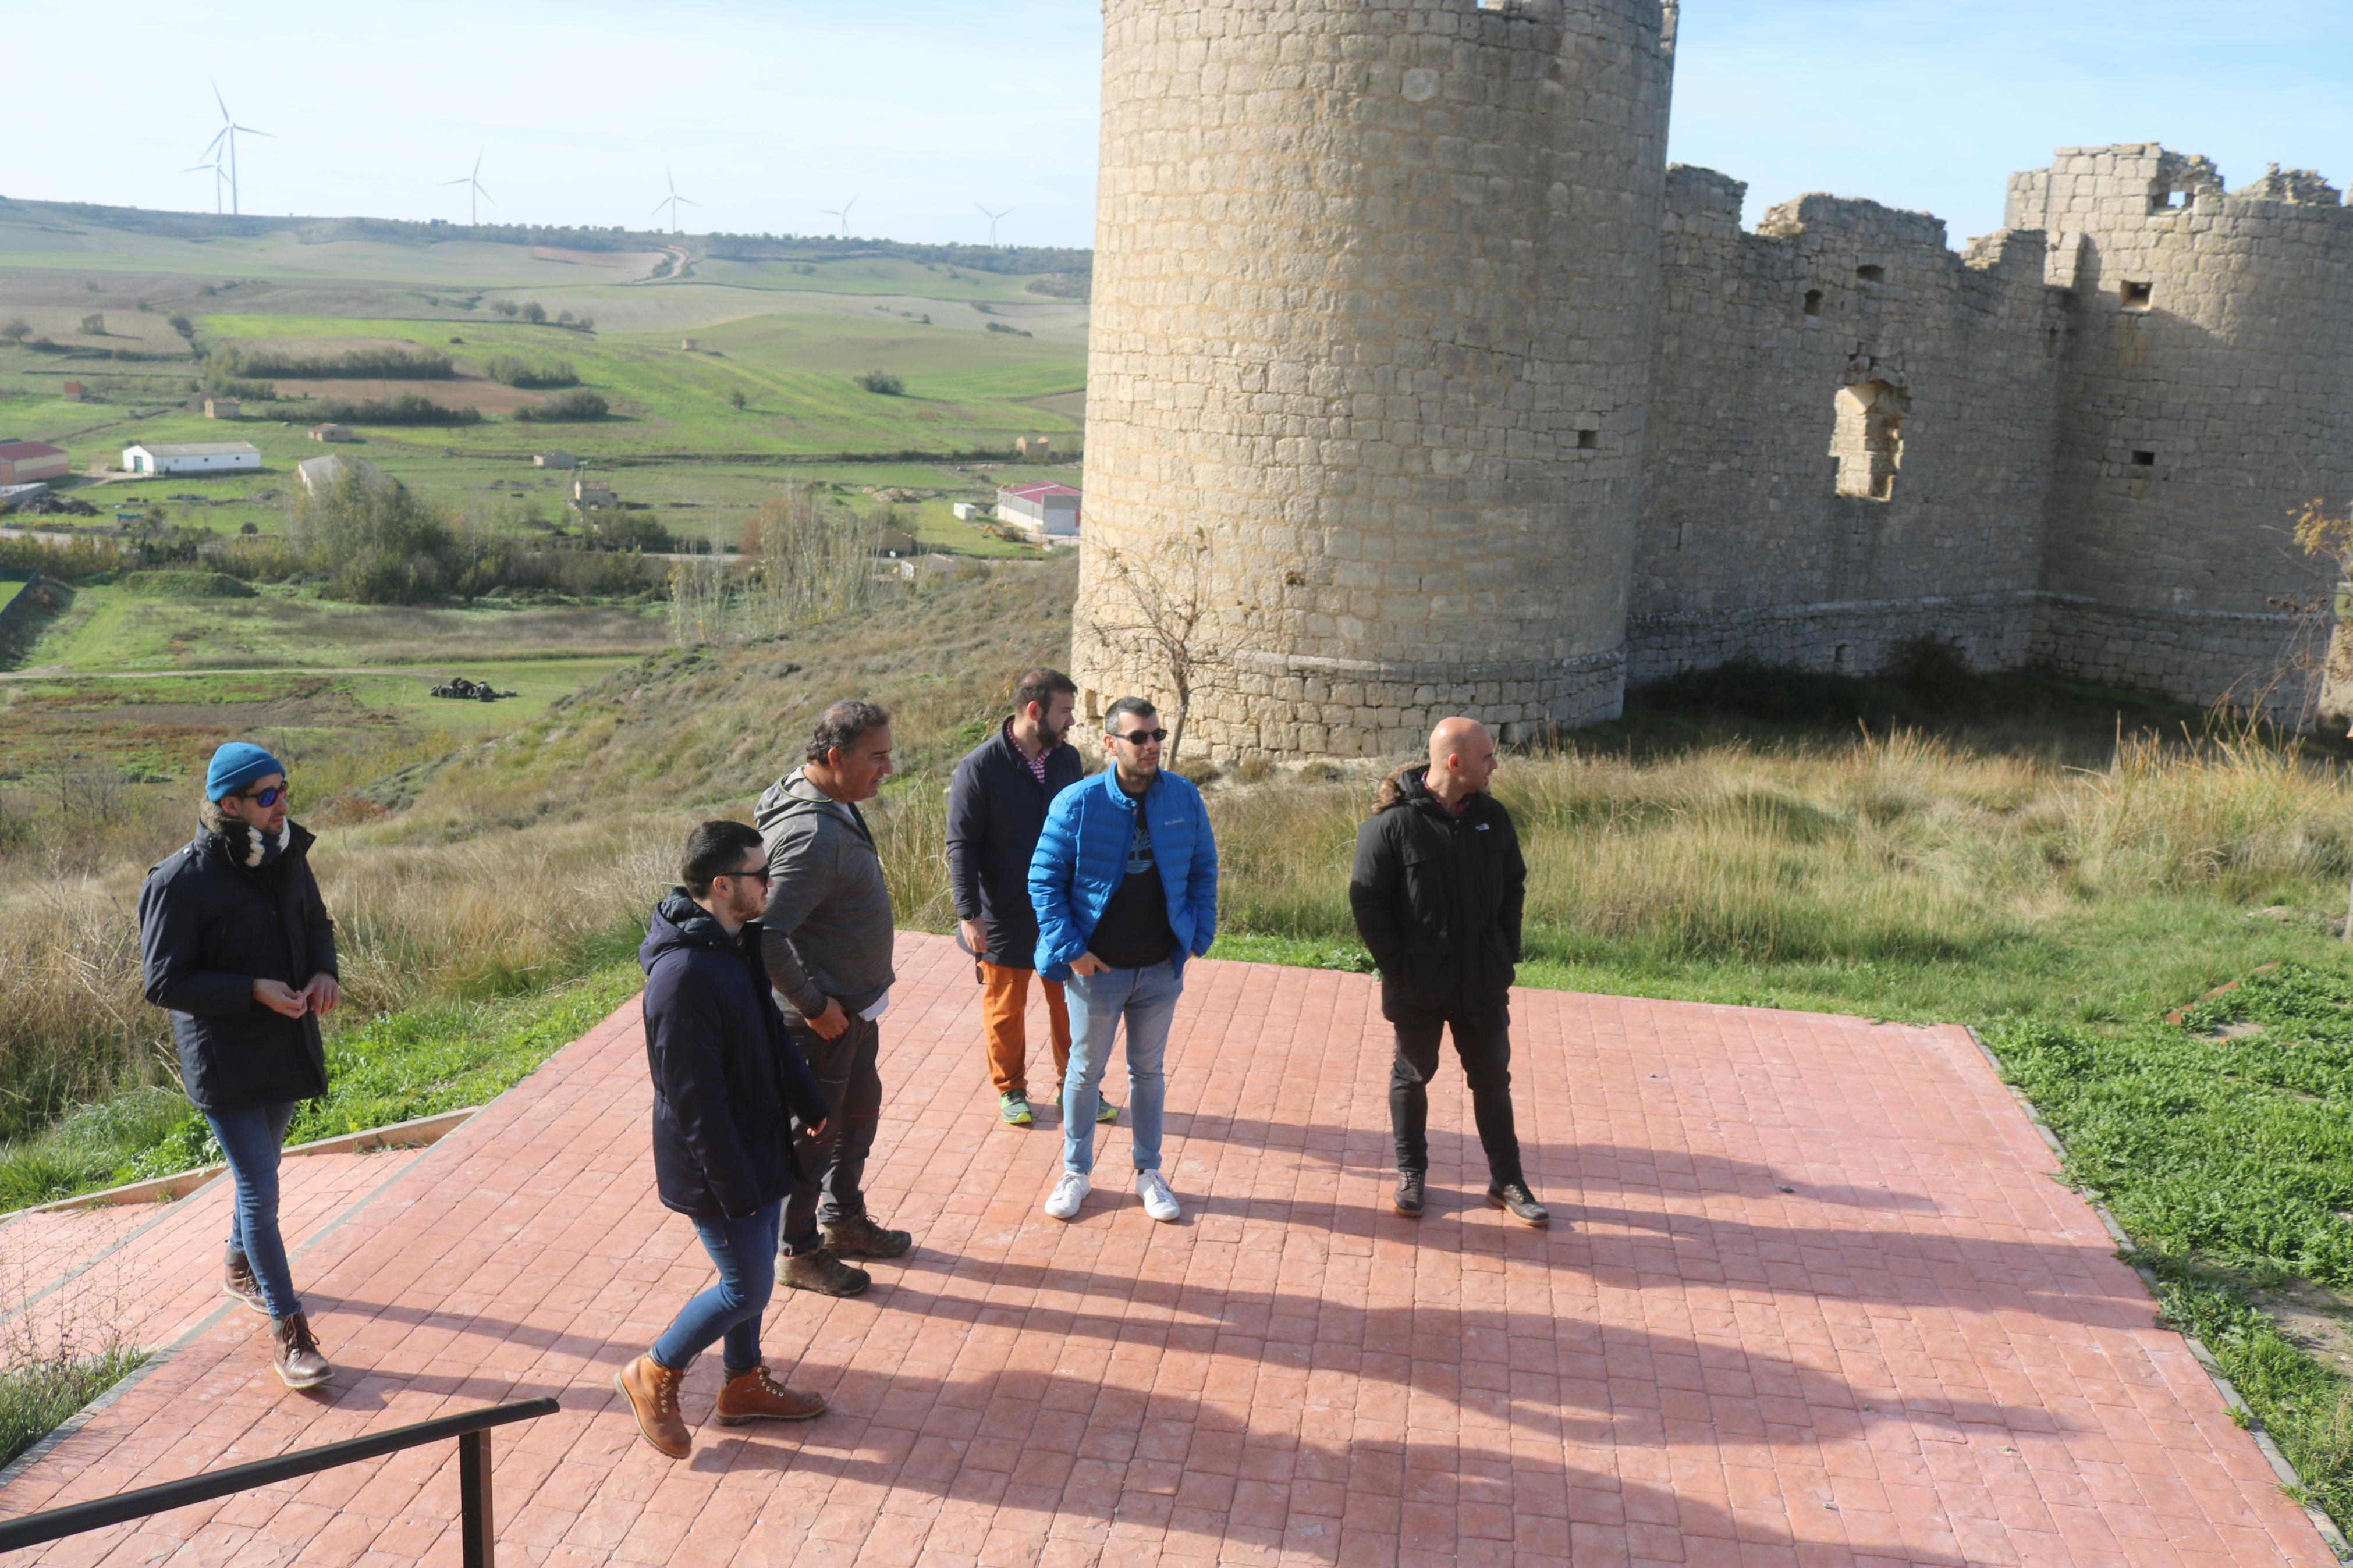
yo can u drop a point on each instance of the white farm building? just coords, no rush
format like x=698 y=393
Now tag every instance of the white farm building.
x=191 y=457
x=1049 y=514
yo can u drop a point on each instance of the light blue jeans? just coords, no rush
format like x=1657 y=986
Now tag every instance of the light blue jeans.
x=1147 y=999
x=249 y=1140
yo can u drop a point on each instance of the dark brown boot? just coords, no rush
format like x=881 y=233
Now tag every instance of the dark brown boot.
x=754 y=1395
x=294 y=1352
x=651 y=1390
x=238 y=1280
x=824 y=1273
x=862 y=1238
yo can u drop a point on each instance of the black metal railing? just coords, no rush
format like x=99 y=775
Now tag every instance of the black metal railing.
x=472 y=1430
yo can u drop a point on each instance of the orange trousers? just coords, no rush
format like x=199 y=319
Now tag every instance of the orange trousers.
x=1004 y=1003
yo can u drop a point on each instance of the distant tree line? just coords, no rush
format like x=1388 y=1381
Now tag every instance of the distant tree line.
x=567 y=407
x=512 y=370
x=386 y=364
x=408 y=408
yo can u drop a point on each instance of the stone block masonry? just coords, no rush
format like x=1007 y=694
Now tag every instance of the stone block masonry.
x=1419 y=383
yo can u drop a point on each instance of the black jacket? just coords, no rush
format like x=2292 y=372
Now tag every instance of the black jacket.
x=1438 y=898
x=997 y=808
x=727 y=1077
x=208 y=928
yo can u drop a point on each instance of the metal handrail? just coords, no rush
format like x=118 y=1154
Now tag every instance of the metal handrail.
x=470 y=1429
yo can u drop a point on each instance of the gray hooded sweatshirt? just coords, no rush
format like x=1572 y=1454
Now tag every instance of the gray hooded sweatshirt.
x=827 y=931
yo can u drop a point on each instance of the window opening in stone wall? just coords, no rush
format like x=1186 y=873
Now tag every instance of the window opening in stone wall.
x=1813 y=302
x=1588 y=440
x=2051 y=343
x=2136 y=296
x=1872 y=273
x=2144 y=460
x=1838 y=656
x=2168 y=200
x=1868 y=440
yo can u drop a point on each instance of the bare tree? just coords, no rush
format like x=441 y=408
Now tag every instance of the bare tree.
x=1165 y=592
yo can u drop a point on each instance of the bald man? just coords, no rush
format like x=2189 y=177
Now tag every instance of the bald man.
x=1436 y=890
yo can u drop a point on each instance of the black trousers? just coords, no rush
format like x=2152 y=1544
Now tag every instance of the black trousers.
x=827 y=1185
x=1482 y=1039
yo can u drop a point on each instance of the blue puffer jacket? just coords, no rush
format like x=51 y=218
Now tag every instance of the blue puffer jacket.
x=1082 y=859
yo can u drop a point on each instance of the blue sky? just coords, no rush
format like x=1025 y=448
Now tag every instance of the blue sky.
x=920 y=109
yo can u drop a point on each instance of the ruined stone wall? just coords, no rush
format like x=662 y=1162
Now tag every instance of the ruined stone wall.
x=2208 y=389
x=1849 y=437
x=1374 y=296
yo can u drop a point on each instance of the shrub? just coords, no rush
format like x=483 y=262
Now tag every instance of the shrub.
x=17 y=330
x=883 y=383
x=572 y=406
x=1008 y=331
x=534 y=312
x=511 y=370
x=735 y=399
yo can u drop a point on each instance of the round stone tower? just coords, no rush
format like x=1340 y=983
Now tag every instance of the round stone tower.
x=2208 y=387
x=1375 y=291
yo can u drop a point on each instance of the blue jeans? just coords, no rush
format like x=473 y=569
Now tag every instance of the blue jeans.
x=249 y=1139
x=745 y=1251
x=1147 y=999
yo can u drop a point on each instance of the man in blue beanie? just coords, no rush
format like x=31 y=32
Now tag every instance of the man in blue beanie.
x=238 y=947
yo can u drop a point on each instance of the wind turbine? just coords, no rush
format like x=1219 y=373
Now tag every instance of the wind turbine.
x=673 y=199
x=842 y=214
x=993 y=218
x=218 y=173
x=474 y=183
x=228 y=133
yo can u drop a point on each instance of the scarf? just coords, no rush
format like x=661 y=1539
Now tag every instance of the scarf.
x=246 y=845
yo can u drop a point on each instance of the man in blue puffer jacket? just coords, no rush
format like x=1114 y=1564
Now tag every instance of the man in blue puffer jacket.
x=1124 y=884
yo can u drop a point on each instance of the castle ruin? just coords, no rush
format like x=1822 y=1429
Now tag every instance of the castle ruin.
x=1421 y=382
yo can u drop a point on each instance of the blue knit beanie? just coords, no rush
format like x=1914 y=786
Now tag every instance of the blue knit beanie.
x=236 y=766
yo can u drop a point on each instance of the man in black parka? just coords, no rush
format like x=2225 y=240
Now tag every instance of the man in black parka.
x=728 y=1084
x=236 y=946
x=997 y=808
x=1436 y=890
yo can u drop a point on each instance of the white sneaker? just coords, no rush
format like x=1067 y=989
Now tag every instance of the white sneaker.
x=1158 y=1201
x=1067 y=1194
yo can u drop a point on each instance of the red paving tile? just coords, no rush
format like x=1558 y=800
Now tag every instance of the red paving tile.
x=1815 y=1301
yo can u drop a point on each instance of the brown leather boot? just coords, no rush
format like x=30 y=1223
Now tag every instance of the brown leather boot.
x=238 y=1280
x=824 y=1273
x=651 y=1390
x=860 y=1236
x=294 y=1352
x=754 y=1395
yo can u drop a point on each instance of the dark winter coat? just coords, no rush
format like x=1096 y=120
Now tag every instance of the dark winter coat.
x=728 y=1080
x=997 y=808
x=208 y=928
x=1438 y=898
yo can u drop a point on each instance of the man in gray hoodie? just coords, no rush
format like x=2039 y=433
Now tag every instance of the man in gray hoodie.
x=826 y=936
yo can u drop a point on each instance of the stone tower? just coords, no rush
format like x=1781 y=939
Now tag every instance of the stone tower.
x=2208 y=387
x=1376 y=287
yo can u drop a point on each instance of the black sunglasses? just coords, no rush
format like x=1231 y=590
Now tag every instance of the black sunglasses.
x=1139 y=737
x=763 y=873
x=265 y=798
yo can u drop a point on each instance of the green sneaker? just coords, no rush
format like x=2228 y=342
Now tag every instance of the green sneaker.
x=1106 y=1111
x=1014 y=1110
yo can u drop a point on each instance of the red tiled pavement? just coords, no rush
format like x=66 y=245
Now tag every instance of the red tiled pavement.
x=1818 y=1303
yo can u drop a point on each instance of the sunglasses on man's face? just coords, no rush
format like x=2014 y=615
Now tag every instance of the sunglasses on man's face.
x=759 y=871
x=1138 y=737
x=265 y=798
